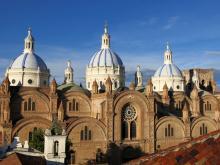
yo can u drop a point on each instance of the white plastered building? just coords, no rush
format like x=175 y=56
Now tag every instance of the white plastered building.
x=168 y=74
x=28 y=69
x=105 y=63
x=54 y=148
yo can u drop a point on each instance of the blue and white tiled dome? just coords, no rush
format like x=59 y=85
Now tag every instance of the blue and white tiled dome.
x=168 y=70
x=28 y=69
x=28 y=60
x=105 y=57
x=168 y=74
x=104 y=64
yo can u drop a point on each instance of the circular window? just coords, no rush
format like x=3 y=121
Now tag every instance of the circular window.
x=13 y=81
x=129 y=113
x=177 y=87
x=30 y=81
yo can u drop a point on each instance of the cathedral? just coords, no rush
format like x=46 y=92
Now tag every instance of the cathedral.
x=173 y=106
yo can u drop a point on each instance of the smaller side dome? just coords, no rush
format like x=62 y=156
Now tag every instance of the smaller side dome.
x=168 y=74
x=28 y=69
x=168 y=70
x=29 y=61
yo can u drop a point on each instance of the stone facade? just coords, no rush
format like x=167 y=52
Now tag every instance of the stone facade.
x=107 y=112
x=92 y=120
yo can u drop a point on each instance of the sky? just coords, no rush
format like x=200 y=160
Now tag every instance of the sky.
x=71 y=30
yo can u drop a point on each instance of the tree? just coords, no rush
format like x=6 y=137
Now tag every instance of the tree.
x=56 y=128
x=37 y=141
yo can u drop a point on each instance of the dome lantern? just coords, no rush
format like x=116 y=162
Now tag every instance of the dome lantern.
x=105 y=38
x=29 y=42
x=68 y=74
x=168 y=55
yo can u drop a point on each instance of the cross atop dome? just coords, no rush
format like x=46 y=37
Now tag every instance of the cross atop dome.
x=105 y=38
x=168 y=46
x=106 y=27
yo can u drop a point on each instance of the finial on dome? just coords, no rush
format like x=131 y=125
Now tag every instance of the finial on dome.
x=68 y=63
x=138 y=68
x=106 y=27
x=29 y=31
x=168 y=46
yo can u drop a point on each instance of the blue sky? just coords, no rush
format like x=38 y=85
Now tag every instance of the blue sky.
x=71 y=30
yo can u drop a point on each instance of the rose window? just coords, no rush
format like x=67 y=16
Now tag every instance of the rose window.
x=129 y=113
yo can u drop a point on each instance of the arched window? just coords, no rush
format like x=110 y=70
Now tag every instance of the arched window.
x=29 y=105
x=133 y=130
x=56 y=147
x=203 y=129
x=124 y=130
x=86 y=134
x=207 y=106
x=33 y=106
x=25 y=106
x=73 y=105
x=169 y=132
x=128 y=126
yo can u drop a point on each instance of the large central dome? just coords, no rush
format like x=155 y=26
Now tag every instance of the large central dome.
x=103 y=64
x=105 y=57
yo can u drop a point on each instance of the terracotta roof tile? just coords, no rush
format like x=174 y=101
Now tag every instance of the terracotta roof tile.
x=201 y=150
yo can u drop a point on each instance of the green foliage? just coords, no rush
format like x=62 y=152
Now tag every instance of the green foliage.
x=56 y=128
x=37 y=141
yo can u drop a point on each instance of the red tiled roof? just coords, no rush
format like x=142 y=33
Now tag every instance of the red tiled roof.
x=20 y=159
x=203 y=150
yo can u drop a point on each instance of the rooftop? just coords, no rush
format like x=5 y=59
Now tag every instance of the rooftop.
x=203 y=150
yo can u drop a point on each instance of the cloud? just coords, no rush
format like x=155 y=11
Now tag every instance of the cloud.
x=171 y=22
x=150 y=21
x=215 y=53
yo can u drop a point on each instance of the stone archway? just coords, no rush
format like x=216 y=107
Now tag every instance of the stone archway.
x=24 y=126
x=87 y=135
x=170 y=131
